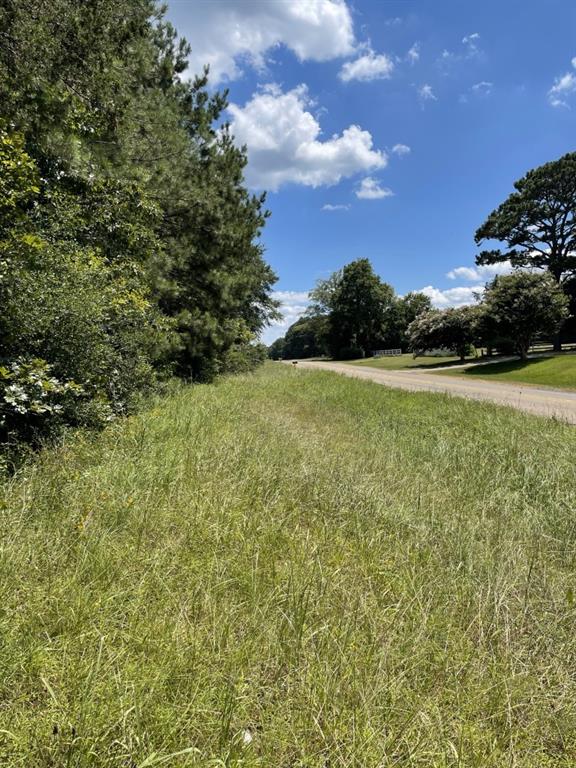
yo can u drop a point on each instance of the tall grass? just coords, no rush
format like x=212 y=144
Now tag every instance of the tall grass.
x=293 y=569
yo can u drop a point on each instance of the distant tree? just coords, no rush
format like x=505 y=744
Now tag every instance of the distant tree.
x=276 y=349
x=322 y=295
x=569 y=326
x=522 y=305
x=307 y=337
x=405 y=310
x=453 y=329
x=537 y=222
x=360 y=307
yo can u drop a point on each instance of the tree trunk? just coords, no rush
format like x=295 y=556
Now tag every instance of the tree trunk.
x=558 y=342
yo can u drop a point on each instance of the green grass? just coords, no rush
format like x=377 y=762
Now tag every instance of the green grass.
x=400 y=362
x=346 y=575
x=558 y=371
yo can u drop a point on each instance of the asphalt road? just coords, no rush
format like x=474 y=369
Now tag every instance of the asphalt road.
x=543 y=402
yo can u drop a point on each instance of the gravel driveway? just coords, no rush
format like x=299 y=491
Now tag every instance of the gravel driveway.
x=543 y=402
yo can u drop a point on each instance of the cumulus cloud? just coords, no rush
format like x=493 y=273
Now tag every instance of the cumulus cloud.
x=283 y=140
x=370 y=189
x=452 y=297
x=425 y=93
x=562 y=88
x=370 y=66
x=338 y=207
x=228 y=33
x=293 y=304
x=401 y=150
x=481 y=272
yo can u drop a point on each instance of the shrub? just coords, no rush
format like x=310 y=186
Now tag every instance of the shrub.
x=351 y=353
x=34 y=404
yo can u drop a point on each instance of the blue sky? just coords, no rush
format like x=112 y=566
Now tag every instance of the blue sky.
x=387 y=129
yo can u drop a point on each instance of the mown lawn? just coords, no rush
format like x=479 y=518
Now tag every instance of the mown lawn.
x=293 y=569
x=396 y=363
x=558 y=371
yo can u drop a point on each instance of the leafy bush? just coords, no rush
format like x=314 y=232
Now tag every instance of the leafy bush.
x=34 y=404
x=455 y=329
x=243 y=358
x=129 y=243
x=351 y=353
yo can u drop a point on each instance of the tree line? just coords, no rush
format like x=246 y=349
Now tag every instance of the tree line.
x=129 y=244
x=354 y=313
x=351 y=314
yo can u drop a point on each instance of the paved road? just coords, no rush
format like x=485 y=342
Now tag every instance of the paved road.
x=544 y=402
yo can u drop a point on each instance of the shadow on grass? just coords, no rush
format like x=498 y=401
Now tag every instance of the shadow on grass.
x=449 y=364
x=491 y=369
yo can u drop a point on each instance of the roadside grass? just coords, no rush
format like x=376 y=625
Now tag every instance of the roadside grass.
x=293 y=569
x=557 y=371
x=399 y=362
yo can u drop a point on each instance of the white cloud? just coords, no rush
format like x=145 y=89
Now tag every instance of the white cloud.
x=480 y=272
x=283 y=143
x=470 y=50
x=413 y=54
x=471 y=44
x=452 y=297
x=290 y=297
x=370 y=189
x=330 y=207
x=478 y=90
x=227 y=33
x=401 y=150
x=293 y=304
x=426 y=93
x=563 y=86
x=370 y=66
x=483 y=88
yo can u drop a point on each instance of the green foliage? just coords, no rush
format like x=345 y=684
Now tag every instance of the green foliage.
x=351 y=353
x=537 y=221
x=538 y=224
x=243 y=358
x=323 y=295
x=276 y=349
x=18 y=178
x=404 y=311
x=33 y=403
x=363 y=312
x=454 y=329
x=360 y=305
x=307 y=337
x=520 y=306
x=129 y=245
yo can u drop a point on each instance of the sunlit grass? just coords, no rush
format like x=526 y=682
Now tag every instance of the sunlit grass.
x=400 y=362
x=293 y=569
x=557 y=371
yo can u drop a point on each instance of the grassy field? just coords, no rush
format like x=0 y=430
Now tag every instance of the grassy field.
x=293 y=569
x=400 y=362
x=557 y=371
